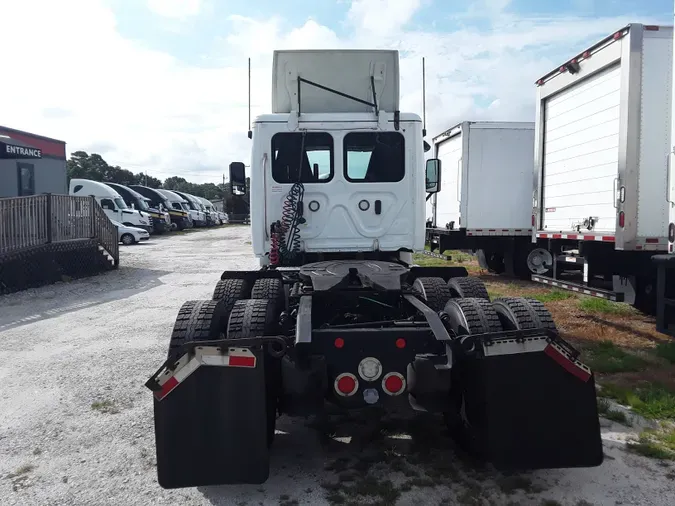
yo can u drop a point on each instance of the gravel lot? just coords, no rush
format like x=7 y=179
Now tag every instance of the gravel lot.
x=76 y=421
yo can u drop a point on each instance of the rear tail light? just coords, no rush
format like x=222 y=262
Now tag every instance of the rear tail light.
x=346 y=384
x=533 y=220
x=400 y=343
x=393 y=383
x=671 y=232
x=652 y=240
x=339 y=342
x=622 y=219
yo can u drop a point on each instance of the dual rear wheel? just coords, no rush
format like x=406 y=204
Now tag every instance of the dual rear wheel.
x=237 y=310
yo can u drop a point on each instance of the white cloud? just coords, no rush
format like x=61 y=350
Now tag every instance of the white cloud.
x=382 y=17
x=175 y=8
x=80 y=80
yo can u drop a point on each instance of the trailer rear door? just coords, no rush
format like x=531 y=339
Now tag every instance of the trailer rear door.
x=580 y=153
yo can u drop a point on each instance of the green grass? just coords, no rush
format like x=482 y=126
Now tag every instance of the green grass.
x=606 y=357
x=605 y=410
x=593 y=305
x=666 y=351
x=656 y=444
x=551 y=296
x=426 y=261
x=651 y=401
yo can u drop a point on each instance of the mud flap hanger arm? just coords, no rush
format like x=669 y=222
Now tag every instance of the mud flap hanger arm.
x=189 y=347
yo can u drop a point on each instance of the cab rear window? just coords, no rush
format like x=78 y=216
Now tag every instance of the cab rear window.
x=374 y=157
x=302 y=157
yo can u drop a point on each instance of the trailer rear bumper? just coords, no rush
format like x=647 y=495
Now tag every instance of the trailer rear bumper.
x=579 y=288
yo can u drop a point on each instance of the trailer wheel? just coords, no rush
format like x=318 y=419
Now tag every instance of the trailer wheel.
x=253 y=318
x=522 y=314
x=434 y=291
x=271 y=289
x=472 y=316
x=197 y=320
x=468 y=287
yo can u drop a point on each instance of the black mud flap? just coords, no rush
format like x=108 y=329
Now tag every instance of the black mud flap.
x=210 y=429
x=529 y=405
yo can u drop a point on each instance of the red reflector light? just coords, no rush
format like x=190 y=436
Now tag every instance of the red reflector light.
x=540 y=82
x=236 y=361
x=346 y=384
x=622 y=219
x=400 y=343
x=339 y=342
x=562 y=69
x=533 y=220
x=617 y=35
x=651 y=240
x=393 y=383
x=652 y=28
x=587 y=54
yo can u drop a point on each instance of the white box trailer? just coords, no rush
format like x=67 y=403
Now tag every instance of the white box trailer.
x=601 y=206
x=485 y=202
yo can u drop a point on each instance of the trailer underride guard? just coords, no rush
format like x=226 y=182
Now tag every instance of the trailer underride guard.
x=338 y=314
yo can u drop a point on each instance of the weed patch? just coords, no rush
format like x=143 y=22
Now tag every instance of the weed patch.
x=105 y=406
x=606 y=357
x=550 y=296
x=594 y=305
x=666 y=351
x=656 y=444
x=648 y=400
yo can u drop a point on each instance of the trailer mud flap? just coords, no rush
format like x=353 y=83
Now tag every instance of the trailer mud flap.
x=210 y=419
x=530 y=405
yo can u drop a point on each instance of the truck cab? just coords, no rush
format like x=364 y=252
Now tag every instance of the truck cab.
x=197 y=213
x=178 y=216
x=354 y=161
x=112 y=203
x=161 y=221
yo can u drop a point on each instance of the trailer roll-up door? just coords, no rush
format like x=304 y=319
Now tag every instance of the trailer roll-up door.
x=580 y=152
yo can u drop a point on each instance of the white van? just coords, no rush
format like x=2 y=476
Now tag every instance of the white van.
x=179 y=203
x=111 y=202
x=211 y=210
x=197 y=211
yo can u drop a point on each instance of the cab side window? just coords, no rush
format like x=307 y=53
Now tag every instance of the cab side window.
x=374 y=157
x=108 y=204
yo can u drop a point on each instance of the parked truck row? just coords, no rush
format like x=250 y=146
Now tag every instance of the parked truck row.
x=154 y=211
x=580 y=198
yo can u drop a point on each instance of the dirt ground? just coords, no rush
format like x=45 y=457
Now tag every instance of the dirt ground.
x=76 y=423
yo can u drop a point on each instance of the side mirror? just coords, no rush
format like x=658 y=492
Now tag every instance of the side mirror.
x=238 y=176
x=433 y=175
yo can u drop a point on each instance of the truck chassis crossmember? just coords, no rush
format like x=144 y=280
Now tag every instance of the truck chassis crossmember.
x=356 y=334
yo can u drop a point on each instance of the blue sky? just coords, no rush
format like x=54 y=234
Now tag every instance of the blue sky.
x=160 y=85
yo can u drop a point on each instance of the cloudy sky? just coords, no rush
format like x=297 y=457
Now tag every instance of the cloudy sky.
x=161 y=85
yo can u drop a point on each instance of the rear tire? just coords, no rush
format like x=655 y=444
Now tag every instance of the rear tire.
x=466 y=317
x=271 y=289
x=468 y=287
x=197 y=320
x=520 y=314
x=127 y=239
x=253 y=318
x=434 y=291
x=472 y=316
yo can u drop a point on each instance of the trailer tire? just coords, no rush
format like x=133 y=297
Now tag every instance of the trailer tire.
x=434 y=291
x=257 y=317
x=271 y=289
x=522 y=314
x=197 y=320
x=468 y=287
x=468 y=316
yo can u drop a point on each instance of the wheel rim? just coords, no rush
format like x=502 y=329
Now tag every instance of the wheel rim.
x=539 y=261
x=127 y=240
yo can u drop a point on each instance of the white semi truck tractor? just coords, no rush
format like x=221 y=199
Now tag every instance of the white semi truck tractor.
x=338 y=314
